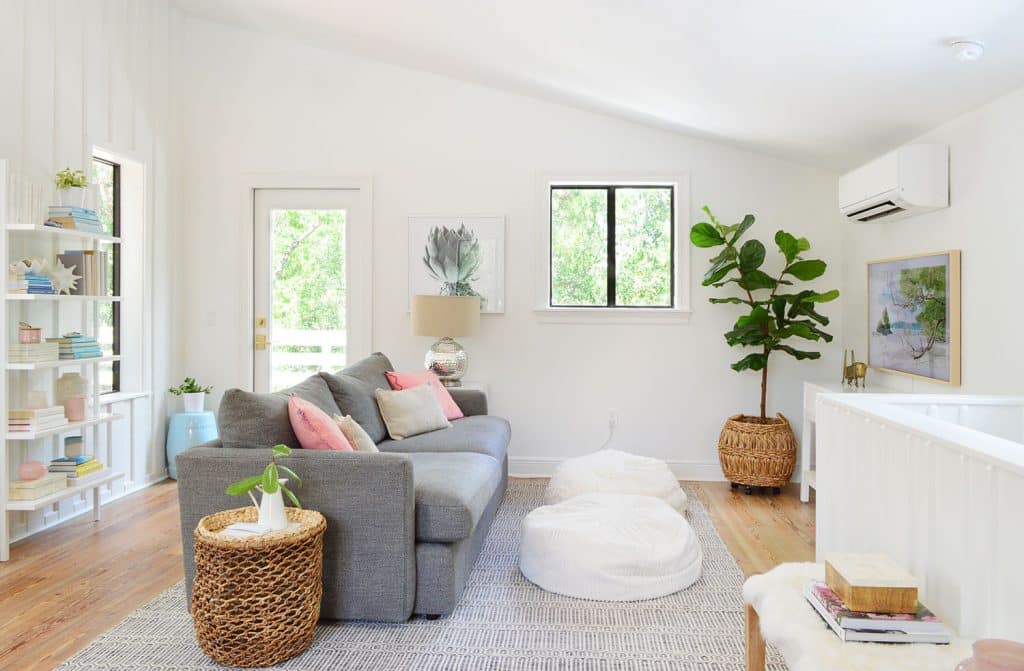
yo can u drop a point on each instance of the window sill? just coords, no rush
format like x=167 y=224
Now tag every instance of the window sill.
x=612 y=315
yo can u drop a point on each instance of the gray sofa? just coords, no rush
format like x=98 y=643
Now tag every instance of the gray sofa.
x=404 y=526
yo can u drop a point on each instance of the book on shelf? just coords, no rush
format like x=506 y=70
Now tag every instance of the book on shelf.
x=75 y=460
x=33 y=413
x=91 y=266
x=75 y=224
x=32 y=353
x=36 y=419
x=76 y=471
x=29 y=490
x=921 y=627
x=78 y=481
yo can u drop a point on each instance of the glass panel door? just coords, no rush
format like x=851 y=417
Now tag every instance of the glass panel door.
x=300 y=284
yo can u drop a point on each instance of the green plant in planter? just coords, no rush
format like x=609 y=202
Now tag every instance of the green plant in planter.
x=775 y=314
x=189 y=386
x=268 y=481
x=68 y=178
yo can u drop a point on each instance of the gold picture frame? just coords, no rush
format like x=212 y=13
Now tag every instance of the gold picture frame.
x=913 y=316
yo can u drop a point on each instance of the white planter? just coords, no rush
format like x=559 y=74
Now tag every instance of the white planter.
x=194 y=402
x=72 y=197
x=272 y=513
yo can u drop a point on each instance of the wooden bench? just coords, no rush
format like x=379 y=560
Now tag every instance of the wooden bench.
x=778 y=614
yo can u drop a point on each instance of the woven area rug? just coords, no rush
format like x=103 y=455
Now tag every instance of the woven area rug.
x=503 y=622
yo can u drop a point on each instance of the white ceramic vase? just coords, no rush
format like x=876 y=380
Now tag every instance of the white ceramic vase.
x=72 y=197
x=193 y=402
x=272 y=513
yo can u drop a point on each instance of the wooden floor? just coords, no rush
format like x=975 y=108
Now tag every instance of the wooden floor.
x=67 y=585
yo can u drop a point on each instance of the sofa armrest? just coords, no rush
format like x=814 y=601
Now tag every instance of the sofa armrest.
x=367 y=499
x=470 y=401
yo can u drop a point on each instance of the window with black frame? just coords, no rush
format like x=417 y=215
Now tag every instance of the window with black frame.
x=107 y=176
x=612 y=246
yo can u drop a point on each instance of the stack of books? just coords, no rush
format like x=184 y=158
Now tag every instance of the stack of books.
x=30 y=490
x=16 y=284
x=91 y=267
x=79 y=470
x=870 y=598
x=78 y=218
x=36 y=284
x=33 y=353
x=37 y=419
x=920 y=627
x=76 y=346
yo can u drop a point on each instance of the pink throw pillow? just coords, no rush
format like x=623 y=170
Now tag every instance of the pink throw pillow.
x=314 y=428
x=400 y=381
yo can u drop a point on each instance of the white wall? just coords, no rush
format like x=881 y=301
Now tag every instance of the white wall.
x=258 y=104
x=986 y=163
x=78 y=74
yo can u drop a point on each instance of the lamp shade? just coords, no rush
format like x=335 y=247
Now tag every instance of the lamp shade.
x=445 y=316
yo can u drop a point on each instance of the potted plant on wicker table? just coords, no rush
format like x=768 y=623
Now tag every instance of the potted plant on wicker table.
x=758 y=450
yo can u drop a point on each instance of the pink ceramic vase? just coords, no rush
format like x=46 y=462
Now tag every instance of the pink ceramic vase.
x=994 y=654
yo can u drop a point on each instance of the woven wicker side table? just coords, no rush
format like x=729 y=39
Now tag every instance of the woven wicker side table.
x=256 y=600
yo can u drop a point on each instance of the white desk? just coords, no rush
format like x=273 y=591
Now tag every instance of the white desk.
x=807 y=438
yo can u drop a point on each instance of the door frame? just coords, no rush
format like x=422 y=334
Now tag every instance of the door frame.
x=358 y=256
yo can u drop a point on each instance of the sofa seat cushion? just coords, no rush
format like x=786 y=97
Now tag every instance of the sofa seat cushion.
x=246 y=419
x=452 y=493
x=482 y=434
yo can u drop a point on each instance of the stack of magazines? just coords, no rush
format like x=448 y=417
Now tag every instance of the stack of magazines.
x=920 y=627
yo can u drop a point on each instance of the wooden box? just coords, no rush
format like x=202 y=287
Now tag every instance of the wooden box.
x=871 y=583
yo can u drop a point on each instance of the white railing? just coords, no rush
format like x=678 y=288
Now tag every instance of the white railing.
x=936 y=482
x=322 y=346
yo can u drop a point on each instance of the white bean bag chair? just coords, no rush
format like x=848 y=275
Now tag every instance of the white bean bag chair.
x=609 y=547
x=615 y=472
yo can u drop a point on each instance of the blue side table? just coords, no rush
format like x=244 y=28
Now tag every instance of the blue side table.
x=188 y=429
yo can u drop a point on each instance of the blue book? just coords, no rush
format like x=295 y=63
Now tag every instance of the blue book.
x=80 y=459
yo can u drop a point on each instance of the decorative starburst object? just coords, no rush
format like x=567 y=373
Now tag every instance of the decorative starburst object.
x=63 y=279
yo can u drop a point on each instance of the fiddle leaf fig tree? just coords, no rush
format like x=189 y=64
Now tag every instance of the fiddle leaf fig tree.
x=775 y=313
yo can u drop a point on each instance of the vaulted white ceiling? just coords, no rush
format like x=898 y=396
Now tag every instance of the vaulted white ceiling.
x=826 y=82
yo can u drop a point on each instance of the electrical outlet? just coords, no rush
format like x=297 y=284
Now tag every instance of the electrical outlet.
x=611 y=419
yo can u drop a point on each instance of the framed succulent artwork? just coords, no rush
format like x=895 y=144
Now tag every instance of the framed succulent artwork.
x=459 y=256
x=914 y=316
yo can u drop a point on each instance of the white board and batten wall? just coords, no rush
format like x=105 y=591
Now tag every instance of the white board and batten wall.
x=85 y=75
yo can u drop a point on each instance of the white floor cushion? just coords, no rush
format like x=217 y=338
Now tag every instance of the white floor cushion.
x=609 y=547
x=615 y=472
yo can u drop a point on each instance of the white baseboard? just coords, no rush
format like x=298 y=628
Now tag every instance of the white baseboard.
x=544 y=467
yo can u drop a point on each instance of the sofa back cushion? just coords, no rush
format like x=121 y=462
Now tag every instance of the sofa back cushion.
x=353 y=389
x=246 y=419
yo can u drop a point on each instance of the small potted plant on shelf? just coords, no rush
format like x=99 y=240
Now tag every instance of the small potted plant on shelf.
x=758 y=450
x=192 y=394
x=271 y=485
x=71 y=187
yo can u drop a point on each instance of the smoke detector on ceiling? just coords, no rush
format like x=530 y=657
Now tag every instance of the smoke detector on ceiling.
x=967 y=50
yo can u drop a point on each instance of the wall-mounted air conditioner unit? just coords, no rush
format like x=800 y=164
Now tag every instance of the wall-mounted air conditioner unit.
x=905 y=182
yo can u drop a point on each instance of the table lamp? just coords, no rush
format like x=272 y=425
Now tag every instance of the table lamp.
x=445 y=317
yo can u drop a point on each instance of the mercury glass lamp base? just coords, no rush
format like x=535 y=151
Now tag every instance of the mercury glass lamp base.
x=448 y=360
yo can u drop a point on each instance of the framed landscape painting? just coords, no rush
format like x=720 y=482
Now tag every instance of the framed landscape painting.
x=458 y=256
x=914 y=316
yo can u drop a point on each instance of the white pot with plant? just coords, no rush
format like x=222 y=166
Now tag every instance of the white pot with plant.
x=71 y=185
x=271 y=486
x=192 y=395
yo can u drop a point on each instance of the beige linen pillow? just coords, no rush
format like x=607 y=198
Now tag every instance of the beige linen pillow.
x=357 y=436
x=410 y=412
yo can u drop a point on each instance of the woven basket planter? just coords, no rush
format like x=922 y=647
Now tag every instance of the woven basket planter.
x=256 y=601
x=756 y=453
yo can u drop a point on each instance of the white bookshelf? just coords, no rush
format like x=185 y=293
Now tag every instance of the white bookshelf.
x=62 y=363
x=22 y=233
